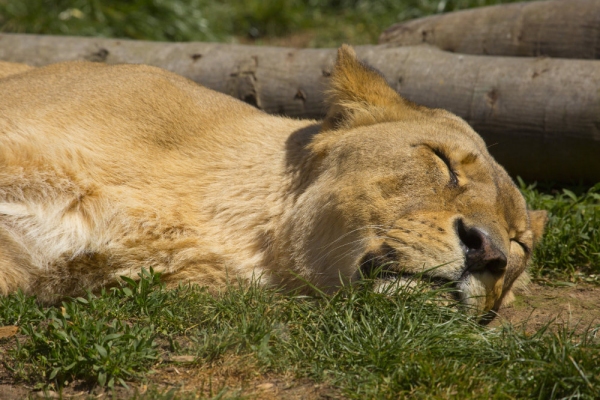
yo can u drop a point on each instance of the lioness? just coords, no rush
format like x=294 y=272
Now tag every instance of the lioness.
x=107 y=169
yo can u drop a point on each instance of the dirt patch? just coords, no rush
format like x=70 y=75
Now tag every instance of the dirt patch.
x=576 y=307
x=240 y=376
x=11 y=392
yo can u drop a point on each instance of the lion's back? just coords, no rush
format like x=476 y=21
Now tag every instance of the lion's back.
x=132 y=103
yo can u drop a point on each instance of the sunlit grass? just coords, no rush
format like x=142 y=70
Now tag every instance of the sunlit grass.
x=570 y=249
x=367 y=344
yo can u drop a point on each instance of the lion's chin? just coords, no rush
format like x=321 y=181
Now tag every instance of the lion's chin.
x=480 y=291
x=477 y=293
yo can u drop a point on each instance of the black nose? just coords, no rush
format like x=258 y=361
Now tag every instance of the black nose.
x=480 y=251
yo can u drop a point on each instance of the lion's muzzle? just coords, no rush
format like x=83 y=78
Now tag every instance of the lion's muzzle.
x=481 y=253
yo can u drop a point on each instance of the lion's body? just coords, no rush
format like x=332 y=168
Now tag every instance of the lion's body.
x=111 y=172
x=107 y=169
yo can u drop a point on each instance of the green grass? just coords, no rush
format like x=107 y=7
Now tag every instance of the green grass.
x=327 y=23
x=570 y=249
x=369 y=345
x=85 y=339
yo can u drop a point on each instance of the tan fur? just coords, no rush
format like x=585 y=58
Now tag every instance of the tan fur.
x=107 y=169
x=8 y=68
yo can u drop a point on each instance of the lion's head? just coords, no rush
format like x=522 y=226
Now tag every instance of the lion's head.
x=407 y=191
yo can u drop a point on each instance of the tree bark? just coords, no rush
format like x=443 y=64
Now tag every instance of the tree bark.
x=540 y=117
x=557 y=28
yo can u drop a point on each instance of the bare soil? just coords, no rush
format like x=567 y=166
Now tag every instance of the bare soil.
x=575 y=307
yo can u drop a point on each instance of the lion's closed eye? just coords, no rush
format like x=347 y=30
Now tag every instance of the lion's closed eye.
x=521 y=245
x=442 y=156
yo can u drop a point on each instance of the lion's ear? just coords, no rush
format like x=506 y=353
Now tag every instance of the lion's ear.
x=538 y=219
x=360 y=95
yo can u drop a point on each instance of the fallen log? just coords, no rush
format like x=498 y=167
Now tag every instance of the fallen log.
x=540 y=117
x=277 y=80
x=557 y=28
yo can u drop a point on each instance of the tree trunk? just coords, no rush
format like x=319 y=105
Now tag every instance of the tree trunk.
x=540 y=117
x=557 y=28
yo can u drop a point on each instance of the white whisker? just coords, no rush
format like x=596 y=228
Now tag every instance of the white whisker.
x=327 y=245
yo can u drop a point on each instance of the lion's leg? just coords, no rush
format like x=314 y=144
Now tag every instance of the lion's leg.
x=208 y=270
x=15 y=265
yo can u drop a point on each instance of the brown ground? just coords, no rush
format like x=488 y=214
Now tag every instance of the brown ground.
x=577 y=306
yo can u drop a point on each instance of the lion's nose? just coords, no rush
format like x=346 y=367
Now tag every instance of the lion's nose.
x=480 y=251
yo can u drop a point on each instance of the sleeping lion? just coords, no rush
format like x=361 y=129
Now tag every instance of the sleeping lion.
x=107 y=169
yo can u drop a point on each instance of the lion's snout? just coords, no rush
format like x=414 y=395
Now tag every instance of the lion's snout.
x=482 y=254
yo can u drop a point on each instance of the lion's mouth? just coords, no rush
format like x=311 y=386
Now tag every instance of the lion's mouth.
x=383 y=264
x=378 y=266
x=383 y=268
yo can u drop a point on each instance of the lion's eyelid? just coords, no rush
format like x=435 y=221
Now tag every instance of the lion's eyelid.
x=525 y=248
x=442 y=156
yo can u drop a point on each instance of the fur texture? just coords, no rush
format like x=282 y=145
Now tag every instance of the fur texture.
x=107 y=169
